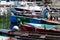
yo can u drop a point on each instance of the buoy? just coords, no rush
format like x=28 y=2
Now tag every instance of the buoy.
x=16 y=27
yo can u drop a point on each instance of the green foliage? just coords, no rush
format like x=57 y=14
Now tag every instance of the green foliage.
x=4 y=22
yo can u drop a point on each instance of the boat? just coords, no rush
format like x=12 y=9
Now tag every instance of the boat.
x=28 y=6
x=51 y=22
x=7 y=3
x=38 y=20
x=34 y=26
x=28 y=35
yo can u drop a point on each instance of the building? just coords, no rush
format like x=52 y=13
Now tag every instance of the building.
x=56 y=3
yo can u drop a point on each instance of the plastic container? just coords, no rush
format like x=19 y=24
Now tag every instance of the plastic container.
x=13 y=19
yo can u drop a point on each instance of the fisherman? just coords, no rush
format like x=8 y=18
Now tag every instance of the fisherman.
x=45 y=11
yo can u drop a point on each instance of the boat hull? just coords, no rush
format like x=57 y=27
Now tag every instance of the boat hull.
x=19 y=9
x=32 y=29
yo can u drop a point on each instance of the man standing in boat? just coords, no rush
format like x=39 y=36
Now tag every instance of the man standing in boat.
x=45 y=11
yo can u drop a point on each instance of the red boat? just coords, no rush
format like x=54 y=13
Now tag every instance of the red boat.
x=25 y=27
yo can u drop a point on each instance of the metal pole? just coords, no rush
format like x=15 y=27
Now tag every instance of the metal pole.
x=5 y=15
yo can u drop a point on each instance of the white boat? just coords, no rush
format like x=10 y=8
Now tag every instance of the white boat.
x=6 y=3
x=31 y=6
